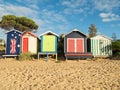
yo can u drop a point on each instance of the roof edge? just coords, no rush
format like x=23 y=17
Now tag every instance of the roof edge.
x=103 y=36
x=14 y=30
x=29 y=33
x=76 y=30
x=49 y=32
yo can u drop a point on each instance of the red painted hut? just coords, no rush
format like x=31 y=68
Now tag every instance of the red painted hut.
x=30 y=42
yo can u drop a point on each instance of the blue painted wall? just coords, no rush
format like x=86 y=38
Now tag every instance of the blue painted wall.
x=16 y=36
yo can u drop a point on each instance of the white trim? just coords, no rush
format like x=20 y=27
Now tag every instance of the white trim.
x=13 y=30
x=76 y=30
x=49 y=32
x=100 y=35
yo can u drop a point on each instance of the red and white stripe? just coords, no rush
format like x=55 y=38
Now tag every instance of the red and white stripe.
x=13 y=46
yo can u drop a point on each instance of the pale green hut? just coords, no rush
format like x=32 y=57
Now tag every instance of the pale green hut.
x=48 y=44
x=101 y=46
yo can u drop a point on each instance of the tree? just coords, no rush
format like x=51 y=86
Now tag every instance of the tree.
x=61 y=45
x=9 y=22
x=114 y=36
x=116 y=47
x=92 y=30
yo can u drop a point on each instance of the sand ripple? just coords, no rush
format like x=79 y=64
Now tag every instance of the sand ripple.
x=69 y=75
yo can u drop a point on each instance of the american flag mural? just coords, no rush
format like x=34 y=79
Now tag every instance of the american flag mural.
x=13 y=42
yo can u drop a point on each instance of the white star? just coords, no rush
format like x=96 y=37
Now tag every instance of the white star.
x=12 y=34
x=18 y=45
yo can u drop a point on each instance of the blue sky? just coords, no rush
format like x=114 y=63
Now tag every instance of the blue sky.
x=62 y=16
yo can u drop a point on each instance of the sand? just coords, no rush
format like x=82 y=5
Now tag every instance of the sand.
x=101 y=74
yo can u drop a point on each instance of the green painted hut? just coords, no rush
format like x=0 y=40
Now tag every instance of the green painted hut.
x=48 y=44
x=101 y=46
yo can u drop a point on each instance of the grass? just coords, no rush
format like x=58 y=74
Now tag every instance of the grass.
x=2 y=47
x=26 y=56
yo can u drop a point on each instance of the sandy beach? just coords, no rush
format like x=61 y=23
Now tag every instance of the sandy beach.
x=101 y=74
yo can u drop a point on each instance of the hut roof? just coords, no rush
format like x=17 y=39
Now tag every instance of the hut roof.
x=76 y=30
x=28 y=32
x=13 y=30
x=49 y=33
x=101 y=35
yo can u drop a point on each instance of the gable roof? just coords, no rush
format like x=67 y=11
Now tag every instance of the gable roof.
x=49 y=32
x=101 y=35
x=76 y=30
x=28 y=32
x=13 y=30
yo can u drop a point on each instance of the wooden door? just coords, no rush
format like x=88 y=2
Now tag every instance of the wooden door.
x=49 y=43
x=80 y=45
x=70 y=45
x=75 y=45
x=25 y=44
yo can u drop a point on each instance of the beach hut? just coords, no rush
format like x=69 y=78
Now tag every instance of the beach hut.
x=30 y=42
x=75 y=45
x=13 y=43
x=101 y=46
x=48 y=44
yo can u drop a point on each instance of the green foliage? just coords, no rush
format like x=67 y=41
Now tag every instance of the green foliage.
x=61 y=45
x=19 y=23
x=114 y=36
x=116 y=47
x=2 y=47
x=26 y=56
x=92 y=30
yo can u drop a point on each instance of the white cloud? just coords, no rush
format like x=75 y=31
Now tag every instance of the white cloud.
x=1 y=1
x=30 y=3
x=107 y=17
x=73 y=4
x=53 y=16
x=115 y=25
x=46 y=19
x=106 y=5
x=17 y=10
x=52 y=20
x=75 y=7
x=89 y=7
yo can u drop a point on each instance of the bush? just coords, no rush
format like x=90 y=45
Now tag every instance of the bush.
x=116 y=47
x=26 y=56
x=2 y=47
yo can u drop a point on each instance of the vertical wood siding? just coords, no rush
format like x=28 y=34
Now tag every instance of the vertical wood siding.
x=101 y=47
x=30 y=45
